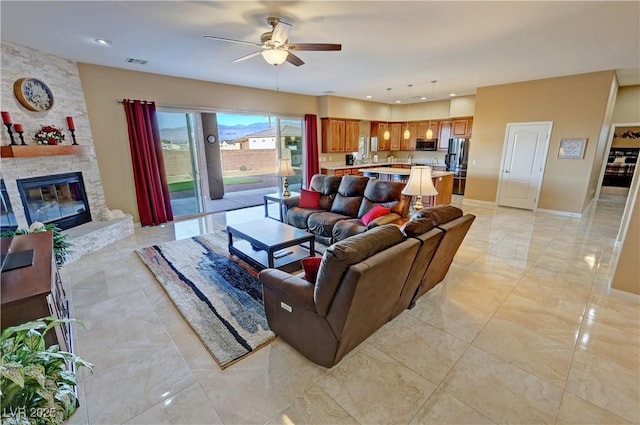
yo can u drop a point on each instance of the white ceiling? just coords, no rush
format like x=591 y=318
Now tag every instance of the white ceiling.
x=462 y=45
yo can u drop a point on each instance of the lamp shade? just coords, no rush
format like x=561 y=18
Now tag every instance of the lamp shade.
x=420 y=183
x=283 y=169
x=275 y=56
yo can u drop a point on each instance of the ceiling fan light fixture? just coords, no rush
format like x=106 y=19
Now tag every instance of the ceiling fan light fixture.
x=275 y=56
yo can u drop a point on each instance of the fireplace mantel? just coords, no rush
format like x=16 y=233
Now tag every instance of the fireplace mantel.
x=20 y=151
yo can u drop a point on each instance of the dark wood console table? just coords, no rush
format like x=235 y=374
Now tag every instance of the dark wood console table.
x=35 y=291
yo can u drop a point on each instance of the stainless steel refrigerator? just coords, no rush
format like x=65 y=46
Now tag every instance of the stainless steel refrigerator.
x=456 y=160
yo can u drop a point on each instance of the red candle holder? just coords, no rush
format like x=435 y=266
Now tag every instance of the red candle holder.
x=18 y=128
x=9 y=125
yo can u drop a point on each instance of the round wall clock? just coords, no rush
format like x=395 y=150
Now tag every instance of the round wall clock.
x=33 y=94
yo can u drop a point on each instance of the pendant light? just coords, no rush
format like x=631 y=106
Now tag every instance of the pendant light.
x=387 y=134
x=429 y=134
x=407 y=133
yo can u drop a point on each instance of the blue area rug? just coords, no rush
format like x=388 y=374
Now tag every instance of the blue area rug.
x=220 y=298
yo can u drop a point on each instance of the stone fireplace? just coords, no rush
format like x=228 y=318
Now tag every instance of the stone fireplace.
x=33 y=163
x=59 y=199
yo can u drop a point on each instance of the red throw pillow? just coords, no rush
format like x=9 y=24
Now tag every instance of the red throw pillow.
x=309 y=199
x=311 y=265
x=373 y=213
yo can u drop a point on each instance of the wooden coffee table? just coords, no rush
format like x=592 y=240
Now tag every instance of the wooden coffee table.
x=268 y=243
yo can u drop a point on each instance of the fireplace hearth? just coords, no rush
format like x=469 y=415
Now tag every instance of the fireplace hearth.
x=59 y=199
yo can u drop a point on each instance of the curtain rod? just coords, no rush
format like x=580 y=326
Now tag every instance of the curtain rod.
x=121 y=101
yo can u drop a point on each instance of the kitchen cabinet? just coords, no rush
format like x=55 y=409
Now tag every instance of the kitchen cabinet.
x=377 y=130
x=423 y=126
x=351 y=134
x=444 y=134
x=459 y=128
x=469 y=127
x=410 y=143
x=444 y=186
x=339 y=135
x=341 y=172
x=396 y=135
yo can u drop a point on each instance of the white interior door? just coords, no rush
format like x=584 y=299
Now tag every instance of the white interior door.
x=525 y=153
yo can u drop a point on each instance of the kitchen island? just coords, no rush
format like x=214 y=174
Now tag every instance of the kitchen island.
x=442 y=180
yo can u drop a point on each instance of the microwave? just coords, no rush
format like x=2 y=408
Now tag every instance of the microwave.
x=426 y=144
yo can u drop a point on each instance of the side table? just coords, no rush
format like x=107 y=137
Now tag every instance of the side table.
x=276 y=197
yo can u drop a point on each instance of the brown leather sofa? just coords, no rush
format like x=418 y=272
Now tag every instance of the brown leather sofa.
x=363 y=282
x=343 y=201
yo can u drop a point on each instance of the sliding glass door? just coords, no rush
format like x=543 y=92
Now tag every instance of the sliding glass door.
x=291 y=146
x=181 y=161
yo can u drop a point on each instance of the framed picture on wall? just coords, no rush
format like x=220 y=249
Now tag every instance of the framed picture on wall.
x=572 y=148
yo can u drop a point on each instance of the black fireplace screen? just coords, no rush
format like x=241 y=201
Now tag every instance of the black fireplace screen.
x=59 y=199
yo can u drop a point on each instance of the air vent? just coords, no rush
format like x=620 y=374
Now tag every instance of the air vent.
x=136 y=61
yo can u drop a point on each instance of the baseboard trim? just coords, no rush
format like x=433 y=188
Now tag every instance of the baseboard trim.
x=562 y=213
x=478 y=202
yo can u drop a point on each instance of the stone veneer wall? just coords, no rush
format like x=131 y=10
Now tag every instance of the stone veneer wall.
x=61 y=75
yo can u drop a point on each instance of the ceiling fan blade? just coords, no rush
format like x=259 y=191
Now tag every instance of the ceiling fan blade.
x=231 y=40
x=281 y=33
x=294 y=60
x=315 y=46
x=245 y=57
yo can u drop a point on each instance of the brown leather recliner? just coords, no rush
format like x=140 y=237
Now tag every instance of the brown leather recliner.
x=357 y=290
x=455 y=226
x=429 y=236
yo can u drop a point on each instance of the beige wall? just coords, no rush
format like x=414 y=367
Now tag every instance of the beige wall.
x=627 y=108
x=103 y=85
x=576 y=104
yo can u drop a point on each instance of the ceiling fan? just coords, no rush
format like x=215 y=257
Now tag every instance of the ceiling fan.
x=274 y=47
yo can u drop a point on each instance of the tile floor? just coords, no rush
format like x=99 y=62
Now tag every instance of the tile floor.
x=522 y=331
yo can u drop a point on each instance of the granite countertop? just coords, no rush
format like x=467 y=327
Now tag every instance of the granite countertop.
x=338 y=166
x=403 y=171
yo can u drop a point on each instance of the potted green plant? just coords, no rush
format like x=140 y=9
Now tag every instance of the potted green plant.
x=61 y=246
x=36 y=382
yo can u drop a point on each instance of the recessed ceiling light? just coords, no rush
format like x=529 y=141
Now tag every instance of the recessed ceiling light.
x=102 y=42
x=423 y=98
x=452 y=94
x=368 y=96
x=398 y=101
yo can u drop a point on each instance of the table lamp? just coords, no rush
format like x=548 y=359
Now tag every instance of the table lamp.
x=284 y=170
x=420 y=184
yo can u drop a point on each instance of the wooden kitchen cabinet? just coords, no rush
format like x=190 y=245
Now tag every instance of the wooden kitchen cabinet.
x=444 y=186
x=459 y=128
x=444 y=134
x=340 y=135
x=469 y=127
x=423 y=126
x=396 y=135
x=410 y=143
x=333 y=135
x=351 y=134
x=377 y=130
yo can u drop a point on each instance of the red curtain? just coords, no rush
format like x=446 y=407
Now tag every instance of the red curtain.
x=311 y=136
x=152 y=190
